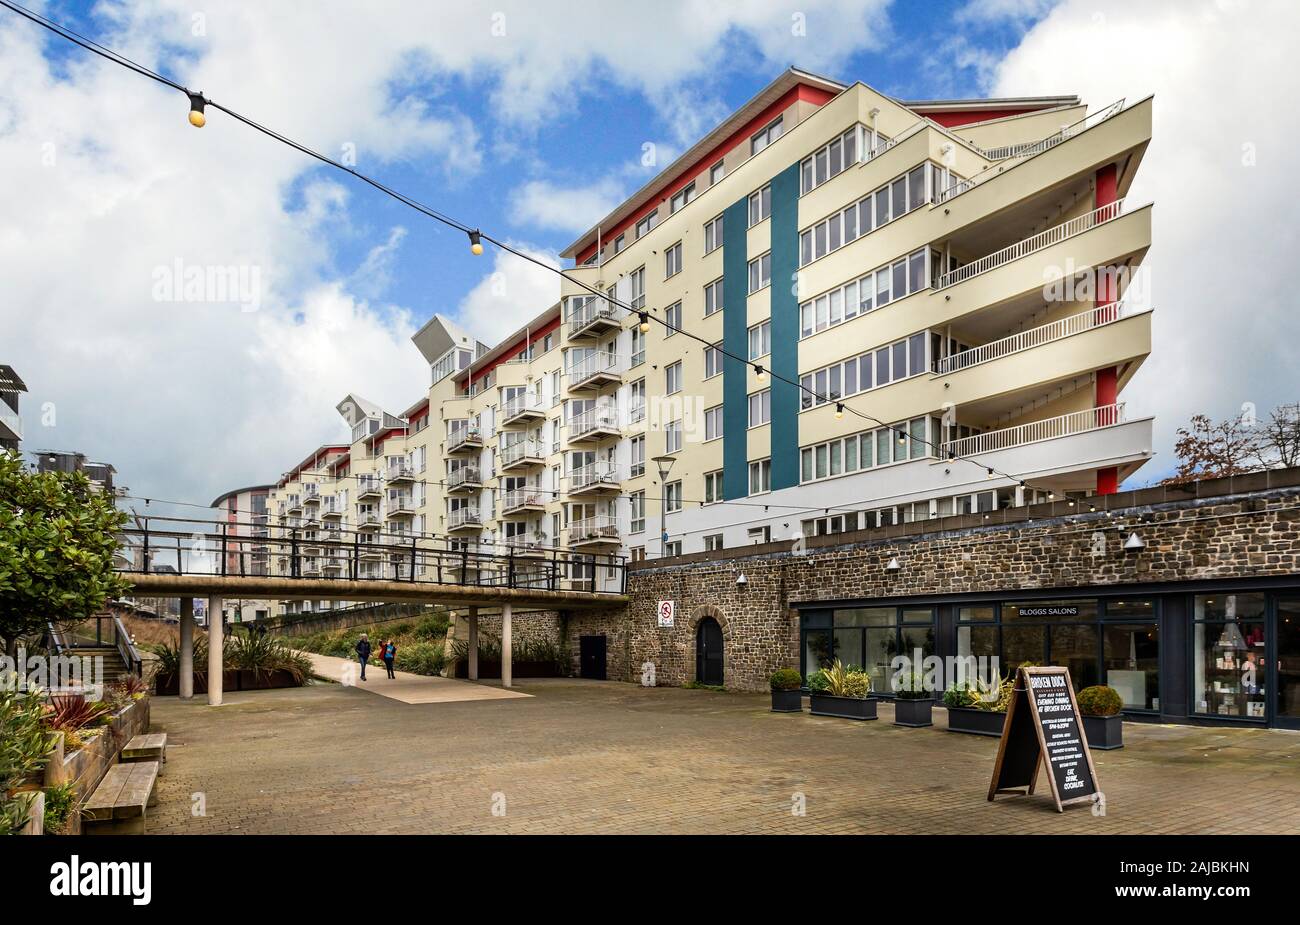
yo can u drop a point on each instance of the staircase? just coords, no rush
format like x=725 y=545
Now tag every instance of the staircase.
x=115 y=669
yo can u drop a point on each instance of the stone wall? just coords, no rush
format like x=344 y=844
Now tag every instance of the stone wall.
x=1208 y=530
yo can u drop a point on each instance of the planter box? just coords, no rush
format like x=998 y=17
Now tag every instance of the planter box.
x=915 y=713
x=843 y=707
x=231 y=680
x=976 y=722
x=787 y=701
x=492 y=670
x=1104 y=732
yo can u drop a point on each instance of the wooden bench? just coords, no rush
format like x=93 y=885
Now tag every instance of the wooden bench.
x=146 y=747
x=119 y=803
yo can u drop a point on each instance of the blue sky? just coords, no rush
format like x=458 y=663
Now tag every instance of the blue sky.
x=529 y=119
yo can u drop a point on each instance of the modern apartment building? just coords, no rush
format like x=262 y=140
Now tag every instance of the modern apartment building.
x=100 y=474
x=11 y=423
x=947 y=281
x=245 y=519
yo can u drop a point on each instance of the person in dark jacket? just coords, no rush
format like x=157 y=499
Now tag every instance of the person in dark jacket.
x=388 y=654
x=363 y=653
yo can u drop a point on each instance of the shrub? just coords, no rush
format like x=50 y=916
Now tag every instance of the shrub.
x=1100 y=700
x=1000 y=704
x=818 y=682
x=25 y=745
x=786 y=679
x=425 y=658
x=911 y=686
x=848 y=681
x=432 y=627
x=60 y=801
x=73 y=712
x=960 y=695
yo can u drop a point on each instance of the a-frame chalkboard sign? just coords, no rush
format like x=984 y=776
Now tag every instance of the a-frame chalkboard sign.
x=1043 y=724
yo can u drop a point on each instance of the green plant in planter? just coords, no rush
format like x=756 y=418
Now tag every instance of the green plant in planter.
x=60 y=802
x=1006 y=690
x=911 y=687
x=848 y=681
x=818 y=681
x=1100 y=700
x=786 y=679
x=25 y=745
x=961 y=694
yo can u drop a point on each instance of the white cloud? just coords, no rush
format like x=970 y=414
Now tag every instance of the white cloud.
x=572 y=209
x=514 y=293
x=983 y=12
x=1218 y=168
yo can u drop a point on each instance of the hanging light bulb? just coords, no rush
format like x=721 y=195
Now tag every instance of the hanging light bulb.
x=197 y=118
x=839 y=410
x=645 y=322
x=902 y=438
x=990 y=471
x=475 y=242
x=759 y=372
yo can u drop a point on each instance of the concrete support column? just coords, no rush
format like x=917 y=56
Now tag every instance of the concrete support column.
x=473 y=643
x=505 y=646
x=187 y=649
x=216 y=642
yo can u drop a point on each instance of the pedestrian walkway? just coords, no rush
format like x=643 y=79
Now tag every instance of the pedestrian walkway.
x=407 y=687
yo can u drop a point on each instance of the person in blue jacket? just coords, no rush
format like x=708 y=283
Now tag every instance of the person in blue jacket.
x=363 y=653
x=389 y=653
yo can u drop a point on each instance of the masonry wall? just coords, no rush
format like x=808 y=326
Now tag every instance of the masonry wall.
x=1190 y=535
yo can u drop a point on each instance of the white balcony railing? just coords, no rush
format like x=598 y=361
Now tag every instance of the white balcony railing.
x=400 y=503
x=367 y=519
x=600 y=529
x=532 y=496
x=593 y=419
x=1065 y=425
x=460 y=436
x=523 y=403
x=1043 y=239
x=524 y=449
x=601 y=472
x=464 y=517
x=367 y=485
x=465 y=475
x=10 y=420
x=599 y=362
x=402 y=471
x=525 y=543
x=1034 y=337
x=586 y=312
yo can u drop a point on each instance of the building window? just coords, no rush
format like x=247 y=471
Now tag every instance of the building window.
x=712 y=361
x=1228 y=655
x=897 y=443
x=874 y=290
x=760 y=408
x=760 y=340
x=866 y=636
x=760 y=205
x=619 y=243
x=717 y=172
x=712 y=542
x=673 y=549
x=673 y=497
x=713 y=422
x=758 y=535
x=713 y=235
x=673 y=436
x=761 y=139
x=713 y=297
x=673 y=260
x=893 y=200
x=638 y=346
x=637 y=503
x=637 y=553
x=673 y=318
x=834 y=523
x=638 y=456
x=637 y=279
x=873 y=369
x=713 y=487
x=760 y=272
x=681 y=197
x=673 y=378
x=636 y=402
x=760 y=476
x=647 y=224
x=840 y=154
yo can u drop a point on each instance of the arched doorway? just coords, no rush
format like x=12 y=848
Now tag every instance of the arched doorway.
x=708 y=652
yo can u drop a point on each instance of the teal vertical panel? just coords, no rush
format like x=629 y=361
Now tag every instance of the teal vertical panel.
x=735 y=411
x=785 y=328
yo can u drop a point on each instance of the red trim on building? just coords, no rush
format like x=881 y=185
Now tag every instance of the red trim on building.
x=531 y=337
x=803 y=92
x=958 y=117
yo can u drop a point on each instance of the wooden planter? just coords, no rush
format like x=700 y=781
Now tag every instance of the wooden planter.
x=975 y=721
x=842 y=707
x=913 y=713
x=492 y=670
x=787 y=701
x=231 y=680
x=1104 y=732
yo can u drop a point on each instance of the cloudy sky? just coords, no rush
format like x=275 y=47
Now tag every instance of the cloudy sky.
x=531 y=119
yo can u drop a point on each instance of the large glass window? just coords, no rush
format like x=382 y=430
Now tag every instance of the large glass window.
x=1228 y=648
x=868 y=638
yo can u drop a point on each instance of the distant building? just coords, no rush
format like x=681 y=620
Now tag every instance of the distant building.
x=242 y=513
x=11 y=425
x=100 y=473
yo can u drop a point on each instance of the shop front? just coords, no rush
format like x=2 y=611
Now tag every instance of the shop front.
x=1185 y=653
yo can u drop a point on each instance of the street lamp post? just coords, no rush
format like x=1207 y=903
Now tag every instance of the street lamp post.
x=665 y=464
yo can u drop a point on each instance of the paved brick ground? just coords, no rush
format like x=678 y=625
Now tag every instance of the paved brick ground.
x=608 y=757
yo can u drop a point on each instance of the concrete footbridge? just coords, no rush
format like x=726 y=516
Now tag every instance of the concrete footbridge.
x=183 y=558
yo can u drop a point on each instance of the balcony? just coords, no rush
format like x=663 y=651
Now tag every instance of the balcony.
x=591 y=317
x=522 y=454
x=312 y=498
x=594 y=531
x=594 y=477
x=295 y=505
x=311 y=566
x=462 y=439
x=1030 y=245
x=596 y=369
x=466 y=478
x=593 y=424
x=331 y=509
x=334 y=562
x=372 y=550
x=400 y=473
x=524 y=500
x=368 y=521
x=368 y=487
x=400 y=504
x=464 y=518
x=1034 y=337
x=526 y=406
x=1065 y=425
x=11 y=425
x=525 y=545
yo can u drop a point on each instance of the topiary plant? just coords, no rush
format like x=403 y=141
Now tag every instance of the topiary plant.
x=786 y=679
x=1100 y=700
x=818 y=682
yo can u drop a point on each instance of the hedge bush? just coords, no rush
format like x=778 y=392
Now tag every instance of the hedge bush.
x=1100 y=700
